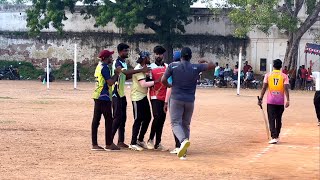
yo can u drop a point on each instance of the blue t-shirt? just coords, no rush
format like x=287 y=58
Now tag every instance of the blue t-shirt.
x=104 y=95
x=184 y=79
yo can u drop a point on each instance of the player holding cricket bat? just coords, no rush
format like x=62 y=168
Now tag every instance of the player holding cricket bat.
x=277 y=84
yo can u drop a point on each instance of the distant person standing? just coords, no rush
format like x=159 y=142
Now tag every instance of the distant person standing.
x=316 y=99
x=304 y=74
x=277 y=84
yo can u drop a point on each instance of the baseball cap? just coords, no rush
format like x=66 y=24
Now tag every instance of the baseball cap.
x=142 y=55
x=105 y=53
x=186 y=51
x=176 y=56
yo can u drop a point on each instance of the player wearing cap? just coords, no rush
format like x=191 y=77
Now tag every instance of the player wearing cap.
x=102 y=100
x=140 y=103
x=277 y=84
x=184 y=77
x=119 y=100
x=157 y=96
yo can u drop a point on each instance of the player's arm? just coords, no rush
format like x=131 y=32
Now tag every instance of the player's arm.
x=130 y=72
x=106 y=75
x=286 y=91
x=264 y=89
x=168 y=94
x=166 y=75
x=209 y=65
x=146 y=84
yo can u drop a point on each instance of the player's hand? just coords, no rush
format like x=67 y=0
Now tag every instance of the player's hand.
x=260 y=102
x=145 y=69
x=287 y=104
x=165 y=107
x=118 y=70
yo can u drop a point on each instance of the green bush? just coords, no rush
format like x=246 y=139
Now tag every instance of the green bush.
x=67 y=68
x=26 y=69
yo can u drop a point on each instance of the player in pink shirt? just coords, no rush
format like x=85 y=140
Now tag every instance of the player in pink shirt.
x=277 y=84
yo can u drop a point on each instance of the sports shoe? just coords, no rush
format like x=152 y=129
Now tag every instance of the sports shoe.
x=273 y=141
x=150 y=144
x=142 y=144
x=112 y=147
x=184 y=157
x=97 y=148
x=183 y=148
x=122 y=145
x=318 y=123
x=278 y=140
x=174 y=151
x=135 y=147
x=160 y=148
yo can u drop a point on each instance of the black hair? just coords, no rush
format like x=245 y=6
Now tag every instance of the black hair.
x=122 y=46
x=277 y=64
x=159 y=50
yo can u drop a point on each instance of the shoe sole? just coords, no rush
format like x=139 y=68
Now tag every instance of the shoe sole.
x=183 y=150
x=112 y=150
x=97 y=149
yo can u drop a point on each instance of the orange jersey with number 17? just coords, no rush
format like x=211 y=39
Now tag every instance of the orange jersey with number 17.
x=276 y=81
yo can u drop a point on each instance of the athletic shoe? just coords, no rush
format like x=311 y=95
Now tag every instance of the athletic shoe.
x=97 y=148
x=122 y=145
x=174 y=151
x=183 y=148
x=184 y=157
x=278 y=140
x=318 y=123
x=273 y=141
x=135 y=147
x=142 y=144
x=150 y=144
x=160 y=148
x=112 y=147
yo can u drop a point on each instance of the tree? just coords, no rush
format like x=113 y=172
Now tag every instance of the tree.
x=13 y=1
x=166 y=17
x=263 y=14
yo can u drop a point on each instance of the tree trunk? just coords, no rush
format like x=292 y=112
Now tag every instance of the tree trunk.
x=291 y=56
x=169 y=53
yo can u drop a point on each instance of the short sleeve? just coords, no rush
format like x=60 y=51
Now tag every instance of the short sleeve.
x=265 y=80
x=202 y=67
x=286 y=79
x=168 y=72
x=140 y=76
x=105 y=73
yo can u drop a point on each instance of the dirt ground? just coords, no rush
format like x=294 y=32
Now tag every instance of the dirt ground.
x=46 y=135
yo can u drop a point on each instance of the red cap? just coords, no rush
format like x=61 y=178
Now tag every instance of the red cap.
x=105 y=53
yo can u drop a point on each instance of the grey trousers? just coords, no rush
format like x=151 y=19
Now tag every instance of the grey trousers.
x=181 y=114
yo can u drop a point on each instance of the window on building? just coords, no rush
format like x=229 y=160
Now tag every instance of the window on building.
x=263 y=64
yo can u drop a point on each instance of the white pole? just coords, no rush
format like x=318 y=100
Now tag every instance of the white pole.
x=48 y=72
x=75 y=66
x=239 y=71
x=270 y=68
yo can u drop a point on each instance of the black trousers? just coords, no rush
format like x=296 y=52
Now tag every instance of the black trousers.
x=316 y=101
x=119 y=105
x=275 y=119
x=159 y=117
x=292 y=82
x=142 y=118
x=101 y=107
